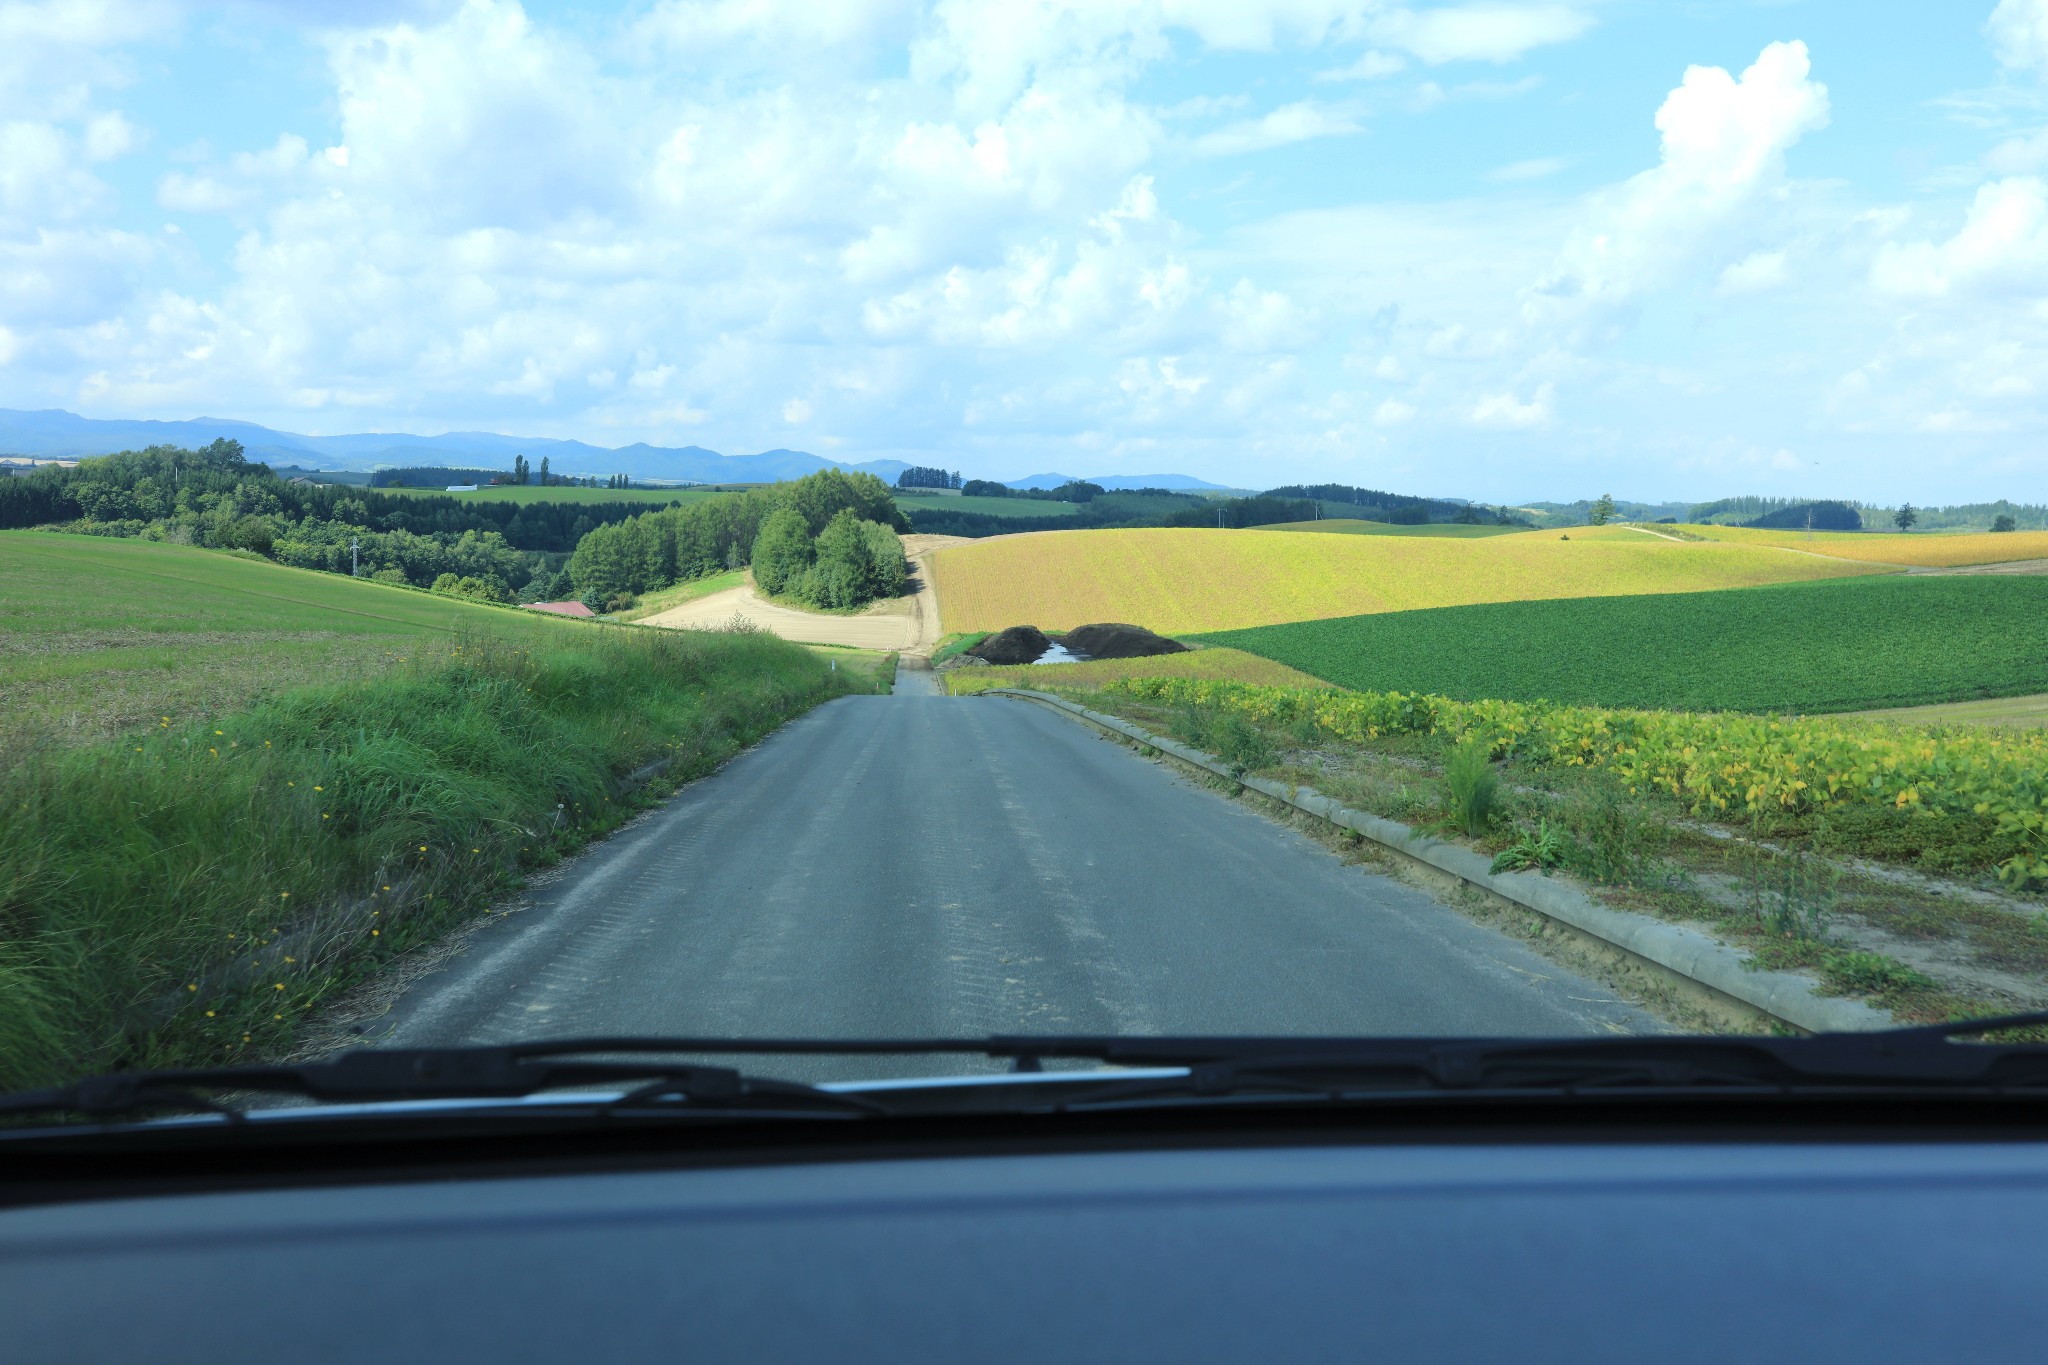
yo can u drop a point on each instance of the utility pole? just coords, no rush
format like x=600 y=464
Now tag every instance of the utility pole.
x=351 y=556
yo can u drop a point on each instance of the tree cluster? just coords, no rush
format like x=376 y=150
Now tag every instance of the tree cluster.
x=849 y=562
x=1073 y=490
x=920 y=476
x=1372 y=504
x=677 y=544
x=1821 y=516
x=1263 y=510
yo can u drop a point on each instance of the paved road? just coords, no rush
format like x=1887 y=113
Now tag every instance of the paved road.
x=918 y=864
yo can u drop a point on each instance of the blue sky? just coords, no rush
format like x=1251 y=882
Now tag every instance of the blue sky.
x=1497 y=249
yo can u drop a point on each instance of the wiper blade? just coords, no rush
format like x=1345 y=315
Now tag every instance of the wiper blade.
x=1895 y=1059
x=1923 y=1058
x=508 y=1072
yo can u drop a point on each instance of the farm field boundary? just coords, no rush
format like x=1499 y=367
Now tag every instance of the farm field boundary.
x=1850 y=644
x=1710 y=974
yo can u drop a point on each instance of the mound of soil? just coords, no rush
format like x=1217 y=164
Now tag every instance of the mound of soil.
x=1017 y=645
x=1113 y=640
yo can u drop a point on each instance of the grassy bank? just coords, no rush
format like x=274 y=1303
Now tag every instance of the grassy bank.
x=1839 y=645
x=100 y=637
x=189 y=894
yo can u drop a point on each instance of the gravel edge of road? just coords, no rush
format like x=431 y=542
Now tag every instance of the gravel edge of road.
x=1710 y=974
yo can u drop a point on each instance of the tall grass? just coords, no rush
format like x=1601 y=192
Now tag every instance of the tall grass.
x=186 y=895
x=1474 y=785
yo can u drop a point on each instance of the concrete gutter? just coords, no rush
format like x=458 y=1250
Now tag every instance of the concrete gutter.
x=1676 y=954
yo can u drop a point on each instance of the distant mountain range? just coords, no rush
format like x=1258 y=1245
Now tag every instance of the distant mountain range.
x=52 y=432
x=1114 y=482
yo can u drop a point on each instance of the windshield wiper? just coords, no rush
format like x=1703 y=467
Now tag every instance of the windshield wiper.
x=1892 y=1061
x=1213 y=1067
x=510 y=1072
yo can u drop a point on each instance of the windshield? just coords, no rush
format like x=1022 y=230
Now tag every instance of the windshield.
x=923 y=521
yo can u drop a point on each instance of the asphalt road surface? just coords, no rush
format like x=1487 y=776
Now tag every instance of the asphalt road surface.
x=925 y=865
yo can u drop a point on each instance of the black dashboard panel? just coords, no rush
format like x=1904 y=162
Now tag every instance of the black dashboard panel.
x=1529 y=1253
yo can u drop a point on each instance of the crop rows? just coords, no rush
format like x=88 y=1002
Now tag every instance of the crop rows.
x=1849 y=644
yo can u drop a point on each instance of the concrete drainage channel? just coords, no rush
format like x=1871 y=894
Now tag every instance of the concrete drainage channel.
x=1707 y=974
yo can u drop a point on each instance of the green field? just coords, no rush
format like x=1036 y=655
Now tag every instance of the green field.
x=1843 y=645
x=987 y=507
x=101 y=636
x=1334 y=526
x=528 y=493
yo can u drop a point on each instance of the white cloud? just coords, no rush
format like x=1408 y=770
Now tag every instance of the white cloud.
x=40 y=180
x=1760 y=270
x=1724 y=141
x=1371 y=65
x=1392 y=413
x=110 y=135
x=2019 y=33
x=1505 y=410
x=796 y=411
x=1535 y=168
x=1296 y=122
x=2002 y=244
x=1483 y=32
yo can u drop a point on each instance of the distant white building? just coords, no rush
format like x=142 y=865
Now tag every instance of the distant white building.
x=462 y=488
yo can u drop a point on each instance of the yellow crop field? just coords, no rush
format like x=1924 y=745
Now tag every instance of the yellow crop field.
x=1180 y=581
x=1925 y=551
x=1221 y=665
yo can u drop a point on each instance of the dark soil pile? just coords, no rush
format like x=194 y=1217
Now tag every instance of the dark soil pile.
x=1017 y=645
x=1112 y=640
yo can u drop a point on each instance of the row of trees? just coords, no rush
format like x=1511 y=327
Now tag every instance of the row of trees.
x=676 y=544
x=197 y=495
x=919 y=476
x=214 y=497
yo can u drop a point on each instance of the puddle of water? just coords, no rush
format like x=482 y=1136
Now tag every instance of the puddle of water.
x=1059 y=654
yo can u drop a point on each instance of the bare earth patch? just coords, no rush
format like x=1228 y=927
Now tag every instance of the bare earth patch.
x=907 y=624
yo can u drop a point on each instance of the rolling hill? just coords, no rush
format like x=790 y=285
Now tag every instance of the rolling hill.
x=99 y=636
x=1183 y=581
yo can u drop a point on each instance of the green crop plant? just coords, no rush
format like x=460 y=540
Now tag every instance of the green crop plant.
x=1474 y=785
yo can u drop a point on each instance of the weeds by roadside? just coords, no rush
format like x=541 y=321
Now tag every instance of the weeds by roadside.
x=1773 y=887
x=185 y=895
